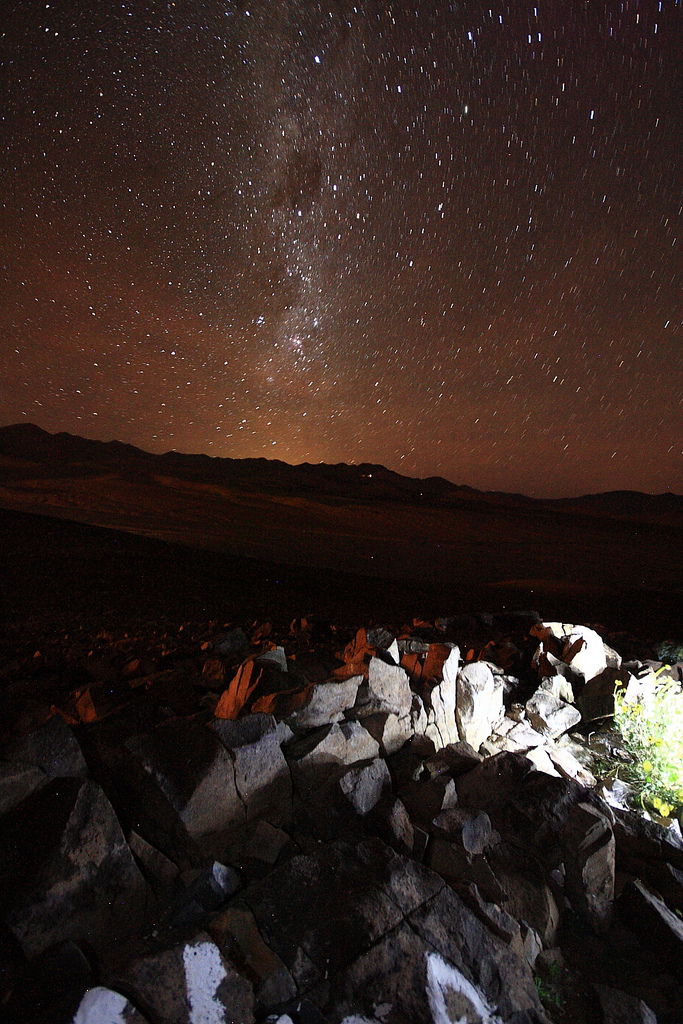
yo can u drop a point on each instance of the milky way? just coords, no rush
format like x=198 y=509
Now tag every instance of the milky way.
x=439 y=236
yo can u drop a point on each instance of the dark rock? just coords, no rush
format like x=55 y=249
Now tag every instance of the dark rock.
x=425 y=800
x=639 y=839
x=266 y=842
x=189 y=983
x=622 y=1008
x=650 y=918
x=211 y=885
x=235 y=929
x=390 y=820
x=231 y=644
x=363 y=787
x=53 y=748
x=161 y=873
x=471 y=829
x=80 y=881
x=459 y=937
x=240 y=732
x=588 y=845
x=18 y=781
x=596 y=699
x=319 y=912
x=182 y=783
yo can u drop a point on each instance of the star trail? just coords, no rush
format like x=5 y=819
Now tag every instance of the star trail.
x=437 y=236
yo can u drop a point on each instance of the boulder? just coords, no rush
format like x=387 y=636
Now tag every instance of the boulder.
x=471 y=829
x=542 y=761
x=189 y=983
x=596 y=699
x=17 y=781
x=161 y=873
x=390 y=820
x=263 y=781
x=621 y=1008
x=364 y=786
x=52 y=747
x=388 y=688
x=502 y=976
x=570 y=767
x=650 y=918
x=588 y=845
x=318 y=756
x=479 y=702
x=390 y=731
x=551 y=716
x=440 y=703
x=79 y=881
x=328 y=702
x=319 y=911
x=428 y=798
x=577 y=646
x=182 y=782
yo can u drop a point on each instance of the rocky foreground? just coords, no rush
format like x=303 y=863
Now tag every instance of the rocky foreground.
x=314 y=826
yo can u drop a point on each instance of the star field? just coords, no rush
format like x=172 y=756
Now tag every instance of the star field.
x=439 y=236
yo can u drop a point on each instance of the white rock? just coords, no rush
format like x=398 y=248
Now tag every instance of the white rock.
x=479 y=702
x=389 y=688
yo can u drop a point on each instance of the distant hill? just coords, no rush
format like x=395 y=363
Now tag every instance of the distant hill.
x=63 y=453
x=364 y=521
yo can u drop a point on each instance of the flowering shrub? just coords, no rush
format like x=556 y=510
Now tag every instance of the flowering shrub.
x=651 y=725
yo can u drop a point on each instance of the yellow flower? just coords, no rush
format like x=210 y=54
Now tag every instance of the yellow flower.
x=647 y=766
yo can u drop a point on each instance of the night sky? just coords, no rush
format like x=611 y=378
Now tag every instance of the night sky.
x=438 y=236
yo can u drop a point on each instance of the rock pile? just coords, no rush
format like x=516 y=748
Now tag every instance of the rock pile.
x=297 y=829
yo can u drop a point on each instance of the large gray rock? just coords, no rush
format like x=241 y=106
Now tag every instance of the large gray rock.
x=551 y=716
x=503 y=977
x=390 y=731
x=621 y=1008
x=263 y=780
x=66 y=871
x=440 y=704
x=402 y=970
x=191 y=983
x=183 y=782
x=389 y=688
x=320 y=755
x=327 y=703
x=479 y=702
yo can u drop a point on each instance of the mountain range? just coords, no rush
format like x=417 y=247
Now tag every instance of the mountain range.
x=363 y=521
